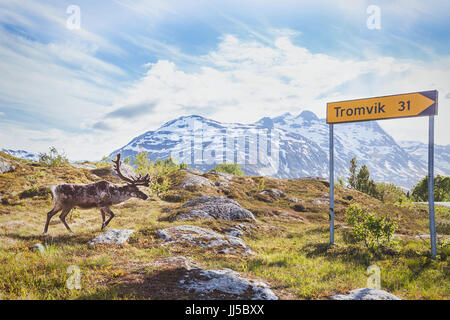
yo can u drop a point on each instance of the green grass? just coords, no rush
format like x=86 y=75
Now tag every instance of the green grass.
x=291 y=250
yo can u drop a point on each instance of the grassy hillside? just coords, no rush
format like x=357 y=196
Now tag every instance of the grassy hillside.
x=290 y=241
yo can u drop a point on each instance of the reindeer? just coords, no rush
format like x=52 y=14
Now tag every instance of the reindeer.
x=100 y=195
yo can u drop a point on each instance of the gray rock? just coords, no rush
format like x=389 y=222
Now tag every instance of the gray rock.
x=6 y=167
x=320 y=202
x=215 y=207
x=226 y=284
x=39 y=247
x=192 y=180
x=84 y=166
x=366 y=294
x=226 y=176
x=235 y=233
x=274 y=193
x=177 y=262
x=112 y=236
x=222 y=184
x=204 y=238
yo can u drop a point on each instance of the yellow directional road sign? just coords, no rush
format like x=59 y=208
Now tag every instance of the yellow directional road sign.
x=396 y=106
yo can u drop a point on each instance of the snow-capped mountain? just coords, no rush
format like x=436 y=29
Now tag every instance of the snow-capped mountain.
x=21 y=154
x=419 y=151
x=286 y=146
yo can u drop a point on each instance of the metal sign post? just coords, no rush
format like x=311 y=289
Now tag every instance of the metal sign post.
x=331 y=184
x=431 y=186
x=416 y=104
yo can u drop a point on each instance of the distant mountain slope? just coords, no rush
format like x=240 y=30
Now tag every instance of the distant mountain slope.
x=419 y=151
x=21 y=154
x=287 y=146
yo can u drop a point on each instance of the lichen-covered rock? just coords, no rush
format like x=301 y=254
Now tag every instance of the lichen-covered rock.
x=270 y=195
x=112 y=236
x=177 y=262
x=193 y=180
x=215 y=207
x=204 y=238
x=6 y=167
x=223 y=175
x=366 y=294
x=225 y=284
x=234 y=232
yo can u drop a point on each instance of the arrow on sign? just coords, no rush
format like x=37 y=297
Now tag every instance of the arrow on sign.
x=387 y=107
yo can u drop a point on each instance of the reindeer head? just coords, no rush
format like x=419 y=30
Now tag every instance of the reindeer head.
x=132 y=183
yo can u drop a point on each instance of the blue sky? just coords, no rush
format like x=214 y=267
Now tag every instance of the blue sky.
x=134 y=65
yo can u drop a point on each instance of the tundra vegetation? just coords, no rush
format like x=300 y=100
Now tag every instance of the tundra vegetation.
x=290 y=246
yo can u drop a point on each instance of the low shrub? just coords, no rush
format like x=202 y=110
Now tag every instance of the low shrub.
x=231 y=168
x=372 y=230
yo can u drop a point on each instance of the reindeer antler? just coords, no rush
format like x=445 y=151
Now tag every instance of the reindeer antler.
x=139 y=181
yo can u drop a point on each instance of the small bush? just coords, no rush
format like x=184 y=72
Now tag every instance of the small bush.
x=390 y=193
x=368 y=228
x=53 y=158
x=231 y=168
x=158 y=170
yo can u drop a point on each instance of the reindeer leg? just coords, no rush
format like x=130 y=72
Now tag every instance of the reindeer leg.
x=63 y=215
x=111 y=215
x=50 y=214
x=103 y=217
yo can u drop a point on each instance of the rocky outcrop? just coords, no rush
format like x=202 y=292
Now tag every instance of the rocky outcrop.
x=225 y=284
x=270 y=195
x=112 y=236
x=193 y=180
x=5 y=166
x=214 y=207
x=183 y=277
x=204 y=238
x=366 y=294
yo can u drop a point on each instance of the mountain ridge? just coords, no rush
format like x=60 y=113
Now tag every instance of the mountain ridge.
x=302 y=146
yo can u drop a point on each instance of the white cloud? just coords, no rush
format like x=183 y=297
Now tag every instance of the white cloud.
x=243 y=81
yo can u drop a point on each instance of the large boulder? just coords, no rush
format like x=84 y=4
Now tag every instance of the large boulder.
x=180 y=277
x=112 y=236
x=225 y=284
x=214 y=207
x=5 y=166
x=204 y=238
x=366 y=294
